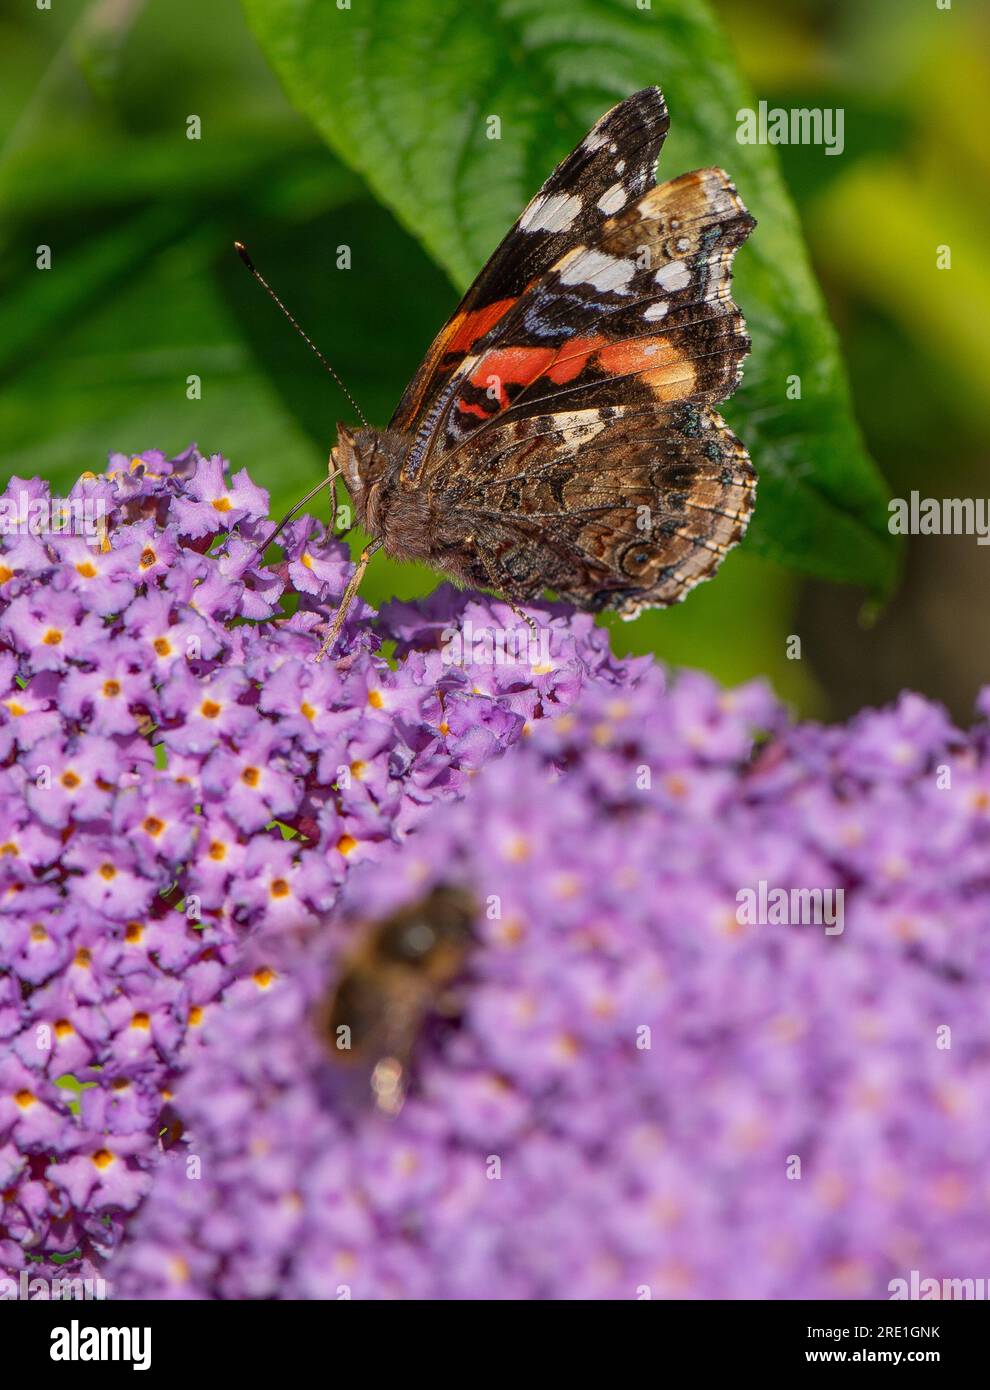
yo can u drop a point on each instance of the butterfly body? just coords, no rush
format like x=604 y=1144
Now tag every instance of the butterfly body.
x=560 y=433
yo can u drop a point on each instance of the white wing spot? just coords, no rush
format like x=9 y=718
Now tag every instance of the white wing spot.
x=674 y=276
x=656 y=310
x=579 y=426
x=551 y=212
x=612 y=199
x=683 y=244
x=595 y=268
x=620 y=167
x=592 y=141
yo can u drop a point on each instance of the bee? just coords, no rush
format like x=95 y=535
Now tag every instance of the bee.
x=397 y=975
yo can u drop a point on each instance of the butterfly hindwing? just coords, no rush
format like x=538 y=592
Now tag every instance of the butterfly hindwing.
x=621 y=507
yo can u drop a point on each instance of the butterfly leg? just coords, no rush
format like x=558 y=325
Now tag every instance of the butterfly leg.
x=347 y=598
x=333 y=473
x=504 y=597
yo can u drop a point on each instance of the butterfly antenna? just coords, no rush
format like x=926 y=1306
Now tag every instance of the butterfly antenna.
x=242 y=251
x=324 y=482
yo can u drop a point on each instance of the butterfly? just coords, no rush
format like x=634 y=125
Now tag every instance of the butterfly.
x=560 y=432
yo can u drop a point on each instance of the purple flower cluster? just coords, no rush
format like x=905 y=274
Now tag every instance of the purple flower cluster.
x=176 y=772
x=643 y=1091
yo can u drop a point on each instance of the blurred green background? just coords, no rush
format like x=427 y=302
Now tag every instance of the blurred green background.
x=145 y=291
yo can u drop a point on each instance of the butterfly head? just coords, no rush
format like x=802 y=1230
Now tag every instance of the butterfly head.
x=363 y=461
x=371 y=462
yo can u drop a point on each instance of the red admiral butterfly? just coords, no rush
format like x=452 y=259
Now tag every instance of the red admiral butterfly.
x=560 y=432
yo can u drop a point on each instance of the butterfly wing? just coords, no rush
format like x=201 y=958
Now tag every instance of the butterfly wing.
x=619 y=152
x=578 y=445
x=623 y=509
x=569 y=441
x=644 y=313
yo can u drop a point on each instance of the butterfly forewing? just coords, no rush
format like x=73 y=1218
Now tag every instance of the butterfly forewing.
x=618 y=155
x=644 y=313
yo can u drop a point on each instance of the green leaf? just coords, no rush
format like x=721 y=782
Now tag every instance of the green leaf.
x=402 y=89
x=95 y=353
x=98 y=350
